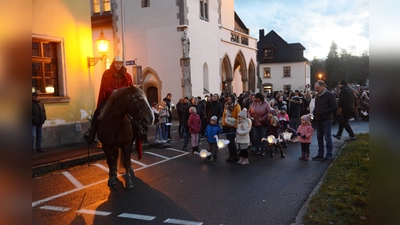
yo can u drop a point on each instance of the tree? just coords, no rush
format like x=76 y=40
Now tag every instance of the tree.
x=332 y=66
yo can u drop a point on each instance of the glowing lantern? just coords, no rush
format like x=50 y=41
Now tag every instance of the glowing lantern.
x=287 y=136
x=221 y=143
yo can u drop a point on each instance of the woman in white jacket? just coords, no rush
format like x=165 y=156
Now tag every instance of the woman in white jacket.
x=243 y=137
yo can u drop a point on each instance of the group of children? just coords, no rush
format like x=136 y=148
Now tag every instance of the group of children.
x=276 y=124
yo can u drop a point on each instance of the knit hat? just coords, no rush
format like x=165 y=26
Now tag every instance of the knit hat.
x=306 y=118
x=243 y=113
x=284 y=108
x=214 y=118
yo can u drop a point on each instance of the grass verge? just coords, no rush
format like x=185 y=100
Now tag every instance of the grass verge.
x=343 y=197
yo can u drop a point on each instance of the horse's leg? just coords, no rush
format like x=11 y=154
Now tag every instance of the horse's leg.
x=126 y=151
x=112 y=156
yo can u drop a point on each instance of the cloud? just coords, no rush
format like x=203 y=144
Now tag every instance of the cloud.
x=313 y=23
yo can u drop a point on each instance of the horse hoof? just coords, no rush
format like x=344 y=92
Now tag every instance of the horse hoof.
x=129 y=185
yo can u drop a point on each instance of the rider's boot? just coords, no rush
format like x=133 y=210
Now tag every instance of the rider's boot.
x=91 y=133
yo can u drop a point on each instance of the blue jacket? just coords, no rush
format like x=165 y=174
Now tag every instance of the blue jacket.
x=211 y=131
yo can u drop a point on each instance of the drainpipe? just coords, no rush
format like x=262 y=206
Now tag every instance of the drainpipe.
x=123 y=30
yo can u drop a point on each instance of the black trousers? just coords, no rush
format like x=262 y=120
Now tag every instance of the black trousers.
x=344 y=124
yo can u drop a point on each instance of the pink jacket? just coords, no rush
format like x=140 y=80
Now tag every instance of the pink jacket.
x=258 y=112
x=305 y=130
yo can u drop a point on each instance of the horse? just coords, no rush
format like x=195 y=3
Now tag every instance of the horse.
x=120 y=124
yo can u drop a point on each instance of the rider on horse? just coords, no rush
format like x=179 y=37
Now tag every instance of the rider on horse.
x=113 y=79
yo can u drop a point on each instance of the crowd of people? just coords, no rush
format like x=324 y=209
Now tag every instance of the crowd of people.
x=247 y=119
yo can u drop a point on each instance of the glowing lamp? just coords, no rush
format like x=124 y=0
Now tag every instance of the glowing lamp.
x=221 y=143
x=203 y=153
x=287 y=136
x=102 y=46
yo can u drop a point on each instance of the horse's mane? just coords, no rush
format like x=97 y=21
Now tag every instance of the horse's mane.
x=113 y=98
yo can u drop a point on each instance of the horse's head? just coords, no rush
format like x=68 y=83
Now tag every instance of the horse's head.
x=138 y=106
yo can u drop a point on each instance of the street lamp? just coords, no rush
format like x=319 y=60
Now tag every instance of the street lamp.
x=102 y=46
x=320 y=76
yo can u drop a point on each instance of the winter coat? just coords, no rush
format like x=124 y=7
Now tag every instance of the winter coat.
x=231 y=115
x=211 y=131
x=346 y=99
x=214 y=108
x=242 y=131
x=259 y=112
x=194 y=123
x=38 y=113
x=111 y=81
x=273 y=126
x=325 y=105
x=164 y=114
x=295 y=104
x=305 y=130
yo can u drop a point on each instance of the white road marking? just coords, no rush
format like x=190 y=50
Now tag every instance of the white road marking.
x=55 y=208
x=94 y=212
x=177 y=150
x=137 y=216
x=161 y=156
x=139 y=163
x=72 y=179
x=182 y=222
x=96 y=183
x=102 y=167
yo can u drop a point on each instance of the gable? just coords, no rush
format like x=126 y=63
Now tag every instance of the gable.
x=272 y=48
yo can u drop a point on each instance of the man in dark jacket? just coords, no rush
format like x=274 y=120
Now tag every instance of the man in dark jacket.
x=345 y=109
x=213 y=108
x=325 y=105
x=38 y=118
x=167 y=100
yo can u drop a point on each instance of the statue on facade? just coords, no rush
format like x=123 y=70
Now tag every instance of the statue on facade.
x=185 y=44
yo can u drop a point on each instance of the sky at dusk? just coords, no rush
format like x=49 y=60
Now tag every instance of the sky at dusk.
x=313 y=23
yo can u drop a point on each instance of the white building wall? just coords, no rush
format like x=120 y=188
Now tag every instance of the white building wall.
x=153 y=37
x=300 y=75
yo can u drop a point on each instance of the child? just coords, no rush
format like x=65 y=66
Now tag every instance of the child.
x=158 y=137
x=194 y=125
x=164 y=115
x=212 y=129
x=243 y=137
x=273 y=129
x=283 y=118
x=305 y=132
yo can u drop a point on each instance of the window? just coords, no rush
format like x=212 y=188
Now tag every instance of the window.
x=268 y=53
x=145 y=3
x=48 y=72
x=204 y=10
x=101 y=6
x=44 y=67
x=267 y=72
x=286 y=71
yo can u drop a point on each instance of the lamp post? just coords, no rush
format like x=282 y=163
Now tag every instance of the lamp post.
x=102 y=46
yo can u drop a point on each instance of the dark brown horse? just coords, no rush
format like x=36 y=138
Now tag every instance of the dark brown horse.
x=120 y=124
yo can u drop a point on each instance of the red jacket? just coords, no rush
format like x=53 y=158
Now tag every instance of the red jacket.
x=194 y=123
x=111 y=82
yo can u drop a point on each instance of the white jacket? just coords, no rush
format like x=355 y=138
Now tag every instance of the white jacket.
x=242 y=131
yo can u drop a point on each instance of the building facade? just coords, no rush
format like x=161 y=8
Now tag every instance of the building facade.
x=282 y=66
x=184 y=47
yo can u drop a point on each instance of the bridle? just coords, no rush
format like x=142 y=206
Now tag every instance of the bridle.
x=137 y=124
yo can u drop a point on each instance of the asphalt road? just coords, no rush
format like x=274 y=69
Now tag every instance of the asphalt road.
x=173 y=187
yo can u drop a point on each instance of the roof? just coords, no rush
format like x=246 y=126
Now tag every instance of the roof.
x=282 y=51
